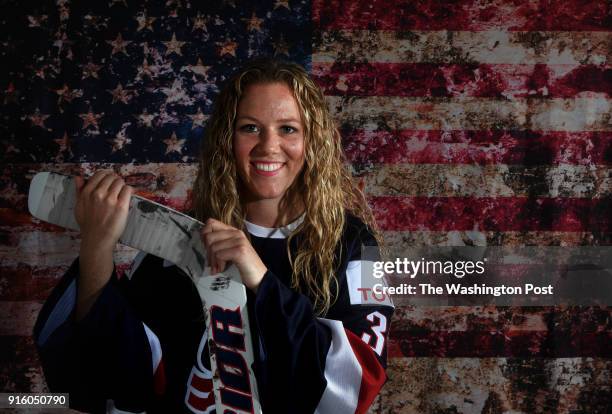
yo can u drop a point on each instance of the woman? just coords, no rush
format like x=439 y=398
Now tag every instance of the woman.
x=279 y=203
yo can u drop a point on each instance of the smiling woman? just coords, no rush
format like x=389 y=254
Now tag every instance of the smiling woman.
x=269 y=149
x=278 y=202
x=273 y=169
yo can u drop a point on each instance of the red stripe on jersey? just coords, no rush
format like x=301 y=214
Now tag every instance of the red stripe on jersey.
x=201 y=384
x=200 y=403
x=372 y=373
x=159 y=379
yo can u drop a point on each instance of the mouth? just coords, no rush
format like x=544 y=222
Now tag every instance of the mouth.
x=267 y=168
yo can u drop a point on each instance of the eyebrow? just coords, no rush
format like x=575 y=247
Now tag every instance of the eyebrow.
x=278 y=120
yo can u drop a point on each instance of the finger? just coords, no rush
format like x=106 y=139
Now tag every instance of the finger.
x=215 y=231
x=209 y=235
x=205 y=230
x=220 y=245
x=115 y=187
x=105 y=183
x=221 y=265
x=218 y=239
x=79 y=183
x=228 y=252
x=211 y=260
x=125 y=195
x=93 y=181
x=213 y=237
x=217 y=225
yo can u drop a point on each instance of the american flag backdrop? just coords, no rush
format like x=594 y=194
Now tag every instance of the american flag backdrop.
x=467 y=122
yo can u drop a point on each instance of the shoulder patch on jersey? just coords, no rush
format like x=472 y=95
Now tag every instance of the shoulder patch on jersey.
x=364 y=288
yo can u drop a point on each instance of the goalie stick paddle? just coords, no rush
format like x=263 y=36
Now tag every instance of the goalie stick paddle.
x=174 y=236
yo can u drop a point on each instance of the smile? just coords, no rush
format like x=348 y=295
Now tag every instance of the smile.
x=267 y=168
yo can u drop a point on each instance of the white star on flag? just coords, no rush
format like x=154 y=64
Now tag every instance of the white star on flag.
x=173 y=144
x=120 y=94
x=197 y=120
x=119 y=45
x=174 y=46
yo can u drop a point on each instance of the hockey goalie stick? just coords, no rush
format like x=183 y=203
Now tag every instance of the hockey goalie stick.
x=166 y=233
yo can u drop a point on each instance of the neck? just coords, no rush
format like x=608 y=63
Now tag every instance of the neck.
x=267 y=213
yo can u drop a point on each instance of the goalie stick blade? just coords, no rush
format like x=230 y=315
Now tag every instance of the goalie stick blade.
x=52 y=198
x=154 y=228
x=151 y=227
x=37 y=188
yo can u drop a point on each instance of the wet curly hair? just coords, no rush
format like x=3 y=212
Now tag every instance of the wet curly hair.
x=325 y=185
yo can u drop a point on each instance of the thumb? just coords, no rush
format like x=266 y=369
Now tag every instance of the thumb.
x=79 y=183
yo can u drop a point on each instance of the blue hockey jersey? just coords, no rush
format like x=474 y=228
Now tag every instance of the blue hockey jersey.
x=142 y=347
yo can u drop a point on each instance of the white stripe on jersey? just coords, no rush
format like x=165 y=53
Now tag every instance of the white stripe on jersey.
x=154 y=345
x=60 y=313
x=342 y=372
x=156 y=350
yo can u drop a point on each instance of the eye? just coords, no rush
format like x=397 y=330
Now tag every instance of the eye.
x=249 y=128
x=288 y=129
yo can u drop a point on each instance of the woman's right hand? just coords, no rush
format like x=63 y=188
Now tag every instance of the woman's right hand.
x=102 y=208
x=101 y=211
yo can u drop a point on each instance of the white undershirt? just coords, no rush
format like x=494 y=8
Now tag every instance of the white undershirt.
x=273 y=232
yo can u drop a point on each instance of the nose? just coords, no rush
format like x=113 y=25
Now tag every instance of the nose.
x=269 y=141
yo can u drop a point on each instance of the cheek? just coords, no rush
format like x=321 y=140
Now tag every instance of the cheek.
x=241 y=151
x=296 y=151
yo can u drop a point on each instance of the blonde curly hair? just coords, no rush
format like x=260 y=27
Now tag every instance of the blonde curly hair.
x=325 y=185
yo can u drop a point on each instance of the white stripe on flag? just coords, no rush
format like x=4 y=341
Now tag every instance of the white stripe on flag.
x=446 y=46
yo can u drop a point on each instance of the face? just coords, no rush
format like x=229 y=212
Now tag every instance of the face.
x=268 y=141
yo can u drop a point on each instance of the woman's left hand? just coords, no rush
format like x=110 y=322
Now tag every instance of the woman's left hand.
x=224 y=244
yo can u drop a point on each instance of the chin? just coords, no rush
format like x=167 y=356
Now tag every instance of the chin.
x=268 y=195
x=264 y=193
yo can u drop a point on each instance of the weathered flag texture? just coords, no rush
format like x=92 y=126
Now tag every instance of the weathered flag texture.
x=467 y=122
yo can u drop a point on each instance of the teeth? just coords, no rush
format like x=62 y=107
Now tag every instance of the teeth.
x=268 y=167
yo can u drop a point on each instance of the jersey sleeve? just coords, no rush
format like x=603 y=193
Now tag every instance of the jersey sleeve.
x=325 y=365
x=110 y=359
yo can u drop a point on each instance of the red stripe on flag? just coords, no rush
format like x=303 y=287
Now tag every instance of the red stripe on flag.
x=21 y=369
x=499 y=343
x=18 y=217
x=473 y=80
x=27 y=283
x=467 y=15
x=35 y=283
x=478 y=147
x=497 y=214
x=500 y=318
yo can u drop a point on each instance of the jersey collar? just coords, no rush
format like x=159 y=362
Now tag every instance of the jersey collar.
x=273 y=232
